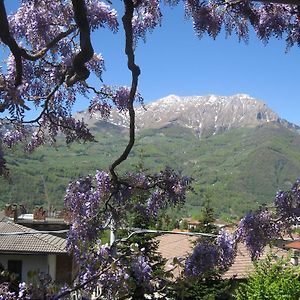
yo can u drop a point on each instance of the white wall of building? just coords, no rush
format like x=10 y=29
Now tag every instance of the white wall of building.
x=38 y=263
x=51 y=258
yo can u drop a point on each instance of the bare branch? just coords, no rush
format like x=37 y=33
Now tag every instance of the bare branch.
x=162 y=232
x=135 y=71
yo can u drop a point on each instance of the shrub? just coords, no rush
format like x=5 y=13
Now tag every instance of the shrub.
x=273 y=279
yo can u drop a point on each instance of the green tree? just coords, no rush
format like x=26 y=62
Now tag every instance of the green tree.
x=202 y=289
x=273 y=280
x=207 y=218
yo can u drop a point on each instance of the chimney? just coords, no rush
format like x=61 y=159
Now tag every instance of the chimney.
x=39 y=214
x=11 y=211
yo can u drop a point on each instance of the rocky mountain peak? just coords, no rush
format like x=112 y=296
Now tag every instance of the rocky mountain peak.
x=206 y=115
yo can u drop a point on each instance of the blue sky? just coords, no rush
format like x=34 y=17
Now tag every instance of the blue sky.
x=174 y=61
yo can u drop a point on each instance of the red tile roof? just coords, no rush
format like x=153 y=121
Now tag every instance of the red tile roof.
x=293 y=245
x=179 y=246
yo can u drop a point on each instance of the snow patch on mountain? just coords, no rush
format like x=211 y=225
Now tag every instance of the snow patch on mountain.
x=206 y=115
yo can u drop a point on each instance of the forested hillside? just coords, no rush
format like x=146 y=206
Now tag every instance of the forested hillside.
x=238 y=169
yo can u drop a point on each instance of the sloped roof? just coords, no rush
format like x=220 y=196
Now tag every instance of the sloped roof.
x=173 y=245
x=243 y=264
x=15 y=238
x=180 y=246
x=293 y=245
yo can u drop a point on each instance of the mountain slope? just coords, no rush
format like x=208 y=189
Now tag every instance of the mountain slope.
x=238 y=168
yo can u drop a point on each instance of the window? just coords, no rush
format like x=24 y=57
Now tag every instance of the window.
x=15 y=266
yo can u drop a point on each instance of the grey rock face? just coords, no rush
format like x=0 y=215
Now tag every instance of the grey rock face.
x=206 y=115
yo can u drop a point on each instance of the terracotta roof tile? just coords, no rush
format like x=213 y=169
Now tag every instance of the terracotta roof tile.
x=293 y=245
x=172 y=245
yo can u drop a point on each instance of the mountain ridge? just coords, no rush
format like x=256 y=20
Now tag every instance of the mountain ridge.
x=205 y=115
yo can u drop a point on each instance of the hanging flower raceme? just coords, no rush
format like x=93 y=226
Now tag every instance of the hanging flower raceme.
x=211 y=256
x=287 y=206
x=267 y=19
x=84 y=198
x=14 y=136
x=256 y=230
x=147 y=16
x=171 y=189
x=203 y=260
x=109 y=96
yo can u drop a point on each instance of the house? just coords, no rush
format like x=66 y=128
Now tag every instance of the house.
x=39 y=219
x=295 y=247
x=180 y=246
x=24 y=249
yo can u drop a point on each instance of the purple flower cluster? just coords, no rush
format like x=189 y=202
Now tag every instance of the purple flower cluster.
x=5 y=293
x=287 y=205
x=205 y=16
x=114 y=282
x=108 y=96
x=22 y=289
x=142 y=269
x=256 y=230
x=74 y=130
x=155 y=203
x=83 y=200
x=13 y=137
x=146 y=18
x=203 y=260
x=99 y=14
x=171 y=190
x=210 y=257
x=227 y=246
x=96 y=65
x=272 y=21
x=37 y=139
x=267 y=19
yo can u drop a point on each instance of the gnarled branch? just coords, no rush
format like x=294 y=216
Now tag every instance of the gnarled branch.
x=135 y=72
x=79 y=70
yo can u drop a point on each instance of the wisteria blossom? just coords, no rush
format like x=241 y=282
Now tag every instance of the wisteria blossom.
x=256 y=230
x=210 y=257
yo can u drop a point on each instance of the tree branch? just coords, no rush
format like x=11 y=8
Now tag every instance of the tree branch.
x=80 y=71
x=18 y=52
x=11 y=43
x=42 y=52
x=135 y=71
x=82 y=285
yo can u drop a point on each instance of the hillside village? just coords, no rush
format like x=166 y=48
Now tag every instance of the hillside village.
x=33 y=244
